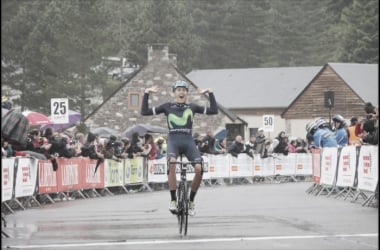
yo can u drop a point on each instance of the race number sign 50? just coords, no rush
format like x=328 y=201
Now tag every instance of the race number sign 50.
x=268 y=123
x=59 y=110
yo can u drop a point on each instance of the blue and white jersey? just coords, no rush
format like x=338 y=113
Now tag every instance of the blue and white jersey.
x=324 y=137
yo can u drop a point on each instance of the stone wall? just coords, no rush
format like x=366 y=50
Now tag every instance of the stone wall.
x=160 y=70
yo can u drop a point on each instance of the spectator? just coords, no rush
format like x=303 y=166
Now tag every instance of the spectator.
x=6 y=148
x=201 y=144
x=220 y=147
x=126 y=144
x=260 y=141
x=91 y=149
x=109 y=148
x=161 y=145
x=208 y=142
x=279 y=144
x=265 y=153
x=79 y=141
x=370 y=126
x=136 y=146
x=250 y=146
x=292 y=146
x=353 y=139
x=370 y=132
x=237 y=147
x=198 y=139
x=341 y=134
x=6 y=103
x=302 y=146
x=359 y=127
x=371 y=111
x=150 y=148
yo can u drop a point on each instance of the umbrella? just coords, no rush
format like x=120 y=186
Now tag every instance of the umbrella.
x=15 y=127
x=105 y=132
x=141 y=129
x=4 y=112
x=36 y=119
x=221 y=134
x=74 y=117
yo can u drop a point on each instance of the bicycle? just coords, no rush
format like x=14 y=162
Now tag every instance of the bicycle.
x=183 y=196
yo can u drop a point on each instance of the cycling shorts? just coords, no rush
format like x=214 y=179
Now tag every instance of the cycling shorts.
x=182 y=144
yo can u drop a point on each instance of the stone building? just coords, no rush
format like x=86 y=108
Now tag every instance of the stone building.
x=121 y=109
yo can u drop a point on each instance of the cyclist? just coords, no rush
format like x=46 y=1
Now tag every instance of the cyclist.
x=180 y=141
x=319 y=131
x=341 y=134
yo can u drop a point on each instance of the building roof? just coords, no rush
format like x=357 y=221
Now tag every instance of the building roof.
x=362 y=78
x=278 y=87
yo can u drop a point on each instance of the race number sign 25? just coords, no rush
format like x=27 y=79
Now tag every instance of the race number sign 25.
x=59 y=110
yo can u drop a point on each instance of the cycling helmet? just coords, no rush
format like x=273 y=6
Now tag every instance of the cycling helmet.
x=178 y=84
x=338 y=118
x=310 y=126
x=320 y=122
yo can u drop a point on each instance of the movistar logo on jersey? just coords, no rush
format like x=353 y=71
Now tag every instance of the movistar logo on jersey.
x=180 y=120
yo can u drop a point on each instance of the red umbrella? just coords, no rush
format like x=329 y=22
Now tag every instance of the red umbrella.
x=36 y=119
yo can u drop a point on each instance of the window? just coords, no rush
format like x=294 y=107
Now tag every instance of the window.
x=134 y=101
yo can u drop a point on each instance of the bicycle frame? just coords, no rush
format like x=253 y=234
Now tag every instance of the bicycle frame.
x=182 y=198
x=183 y=195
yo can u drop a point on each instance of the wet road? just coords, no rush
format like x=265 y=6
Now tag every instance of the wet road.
x=249 y=216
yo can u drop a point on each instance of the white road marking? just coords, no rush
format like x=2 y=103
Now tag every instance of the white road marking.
x=185 y=241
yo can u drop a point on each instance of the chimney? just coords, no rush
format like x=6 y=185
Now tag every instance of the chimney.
x=160 y=52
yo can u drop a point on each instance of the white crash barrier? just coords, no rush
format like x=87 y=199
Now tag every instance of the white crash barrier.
x=348 y=170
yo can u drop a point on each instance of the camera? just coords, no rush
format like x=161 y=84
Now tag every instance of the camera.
x=369 y=116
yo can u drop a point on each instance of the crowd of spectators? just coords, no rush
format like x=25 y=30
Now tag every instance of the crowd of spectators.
x=48 y=144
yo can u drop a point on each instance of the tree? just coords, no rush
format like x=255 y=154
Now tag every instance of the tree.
x=55 y=50
x=358 y=35
x=160 y=22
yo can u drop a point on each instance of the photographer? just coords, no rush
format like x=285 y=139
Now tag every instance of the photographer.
x=89 y=149
x=112 y=149
x=136 y=147
x=6 y=148
x=370 y=133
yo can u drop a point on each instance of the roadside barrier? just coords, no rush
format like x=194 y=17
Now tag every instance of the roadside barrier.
x=348 y=172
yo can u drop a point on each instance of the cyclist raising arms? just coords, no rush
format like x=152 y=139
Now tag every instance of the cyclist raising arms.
x=180 y=116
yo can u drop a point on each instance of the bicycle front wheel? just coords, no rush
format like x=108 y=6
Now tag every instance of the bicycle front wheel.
x=186 y=210
x=180 y=205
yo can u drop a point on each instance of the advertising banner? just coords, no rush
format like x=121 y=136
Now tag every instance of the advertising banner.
x=47 y=178
x=241 y=166
x=89 y=178
x=285 y=165
x=304 y=164
x=7 y=178
x=346 y=167
x=368 y=168
x=218 y=166
x=114 y=173
x=328 y=166
x=26 y=177
x=68 y=174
